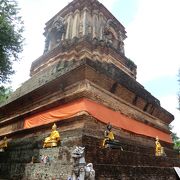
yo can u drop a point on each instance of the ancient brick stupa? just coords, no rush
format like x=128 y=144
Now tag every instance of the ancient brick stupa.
x=83 y=81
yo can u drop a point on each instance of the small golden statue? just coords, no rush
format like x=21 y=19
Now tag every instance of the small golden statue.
x=54 y=138
x=159 y=148
x=109 y=136
x=3 y=144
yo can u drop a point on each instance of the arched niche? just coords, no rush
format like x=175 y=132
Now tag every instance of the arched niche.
x=112 y=35
x=54 y=33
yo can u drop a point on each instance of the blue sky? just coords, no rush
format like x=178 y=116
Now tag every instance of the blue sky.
x=125 y=10
x=153 y=42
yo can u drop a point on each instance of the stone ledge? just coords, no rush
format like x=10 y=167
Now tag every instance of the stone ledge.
x=100 y=70
x=133 y=173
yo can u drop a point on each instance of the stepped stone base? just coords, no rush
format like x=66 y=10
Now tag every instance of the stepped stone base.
x=110 y=172
x=19 y=164
x=84 y=59
x=59 y=165
x=136 y=161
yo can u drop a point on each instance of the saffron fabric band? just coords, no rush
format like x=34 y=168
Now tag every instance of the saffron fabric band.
x=100 y=112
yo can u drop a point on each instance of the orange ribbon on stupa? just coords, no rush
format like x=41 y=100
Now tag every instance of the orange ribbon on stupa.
x=100 y=112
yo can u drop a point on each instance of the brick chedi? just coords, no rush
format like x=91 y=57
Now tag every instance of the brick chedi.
x=82 y=81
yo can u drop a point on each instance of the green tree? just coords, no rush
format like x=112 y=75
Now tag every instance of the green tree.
x=11 y=40
x=5 y=93
x=179 y=89
x=175 y=138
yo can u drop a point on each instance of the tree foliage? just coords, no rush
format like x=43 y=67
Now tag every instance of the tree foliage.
x=175 y=138
x=11 y=40
x=179 y=89
x=5 y=93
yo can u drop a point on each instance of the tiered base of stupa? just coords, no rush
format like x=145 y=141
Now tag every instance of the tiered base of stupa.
x=136 y=161
x=82 y=98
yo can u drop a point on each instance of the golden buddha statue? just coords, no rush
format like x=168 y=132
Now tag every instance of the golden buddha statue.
x=159 y=148
x=3 y=144
x=54 y=138
x=109 y=135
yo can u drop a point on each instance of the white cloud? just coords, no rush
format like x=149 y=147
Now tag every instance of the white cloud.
x=169 y=103
x=153 y=39
x=153 y=44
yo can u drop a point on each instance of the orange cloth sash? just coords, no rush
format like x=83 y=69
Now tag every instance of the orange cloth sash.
x=98 y=111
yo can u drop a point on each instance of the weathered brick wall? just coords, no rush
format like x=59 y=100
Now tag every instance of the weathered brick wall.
x=132 y=154
x=113 y=172
x=134 y=162
x=108 y=77
x=15 y=162
x=131 y=163
x=96 y=129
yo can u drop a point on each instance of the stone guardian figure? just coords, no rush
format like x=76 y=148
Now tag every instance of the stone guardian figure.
x=81 y=170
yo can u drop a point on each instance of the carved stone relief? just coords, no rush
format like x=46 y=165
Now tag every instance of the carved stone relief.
x=81 y=23
x=113 y=36
x=55 y=33
x=76 y=24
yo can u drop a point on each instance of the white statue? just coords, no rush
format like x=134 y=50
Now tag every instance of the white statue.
x=81 y=171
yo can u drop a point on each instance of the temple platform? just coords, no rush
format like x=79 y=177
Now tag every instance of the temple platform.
x=82 y=82
x=136 y=161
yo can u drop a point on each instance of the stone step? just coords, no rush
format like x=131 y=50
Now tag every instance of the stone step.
x=117 y=164
x=93 y=154
x=117 y=172
x=19 y=163
x=16 y=161
x=128 y=145
x=48 y=171
x=116 y=156
x=25 y=156
x=35 y=171
x=58 y=171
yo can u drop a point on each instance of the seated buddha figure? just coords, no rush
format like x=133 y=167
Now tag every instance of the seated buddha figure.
x=53 y=139
x=159 y=148
x=109 y=136
x=3 y=144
